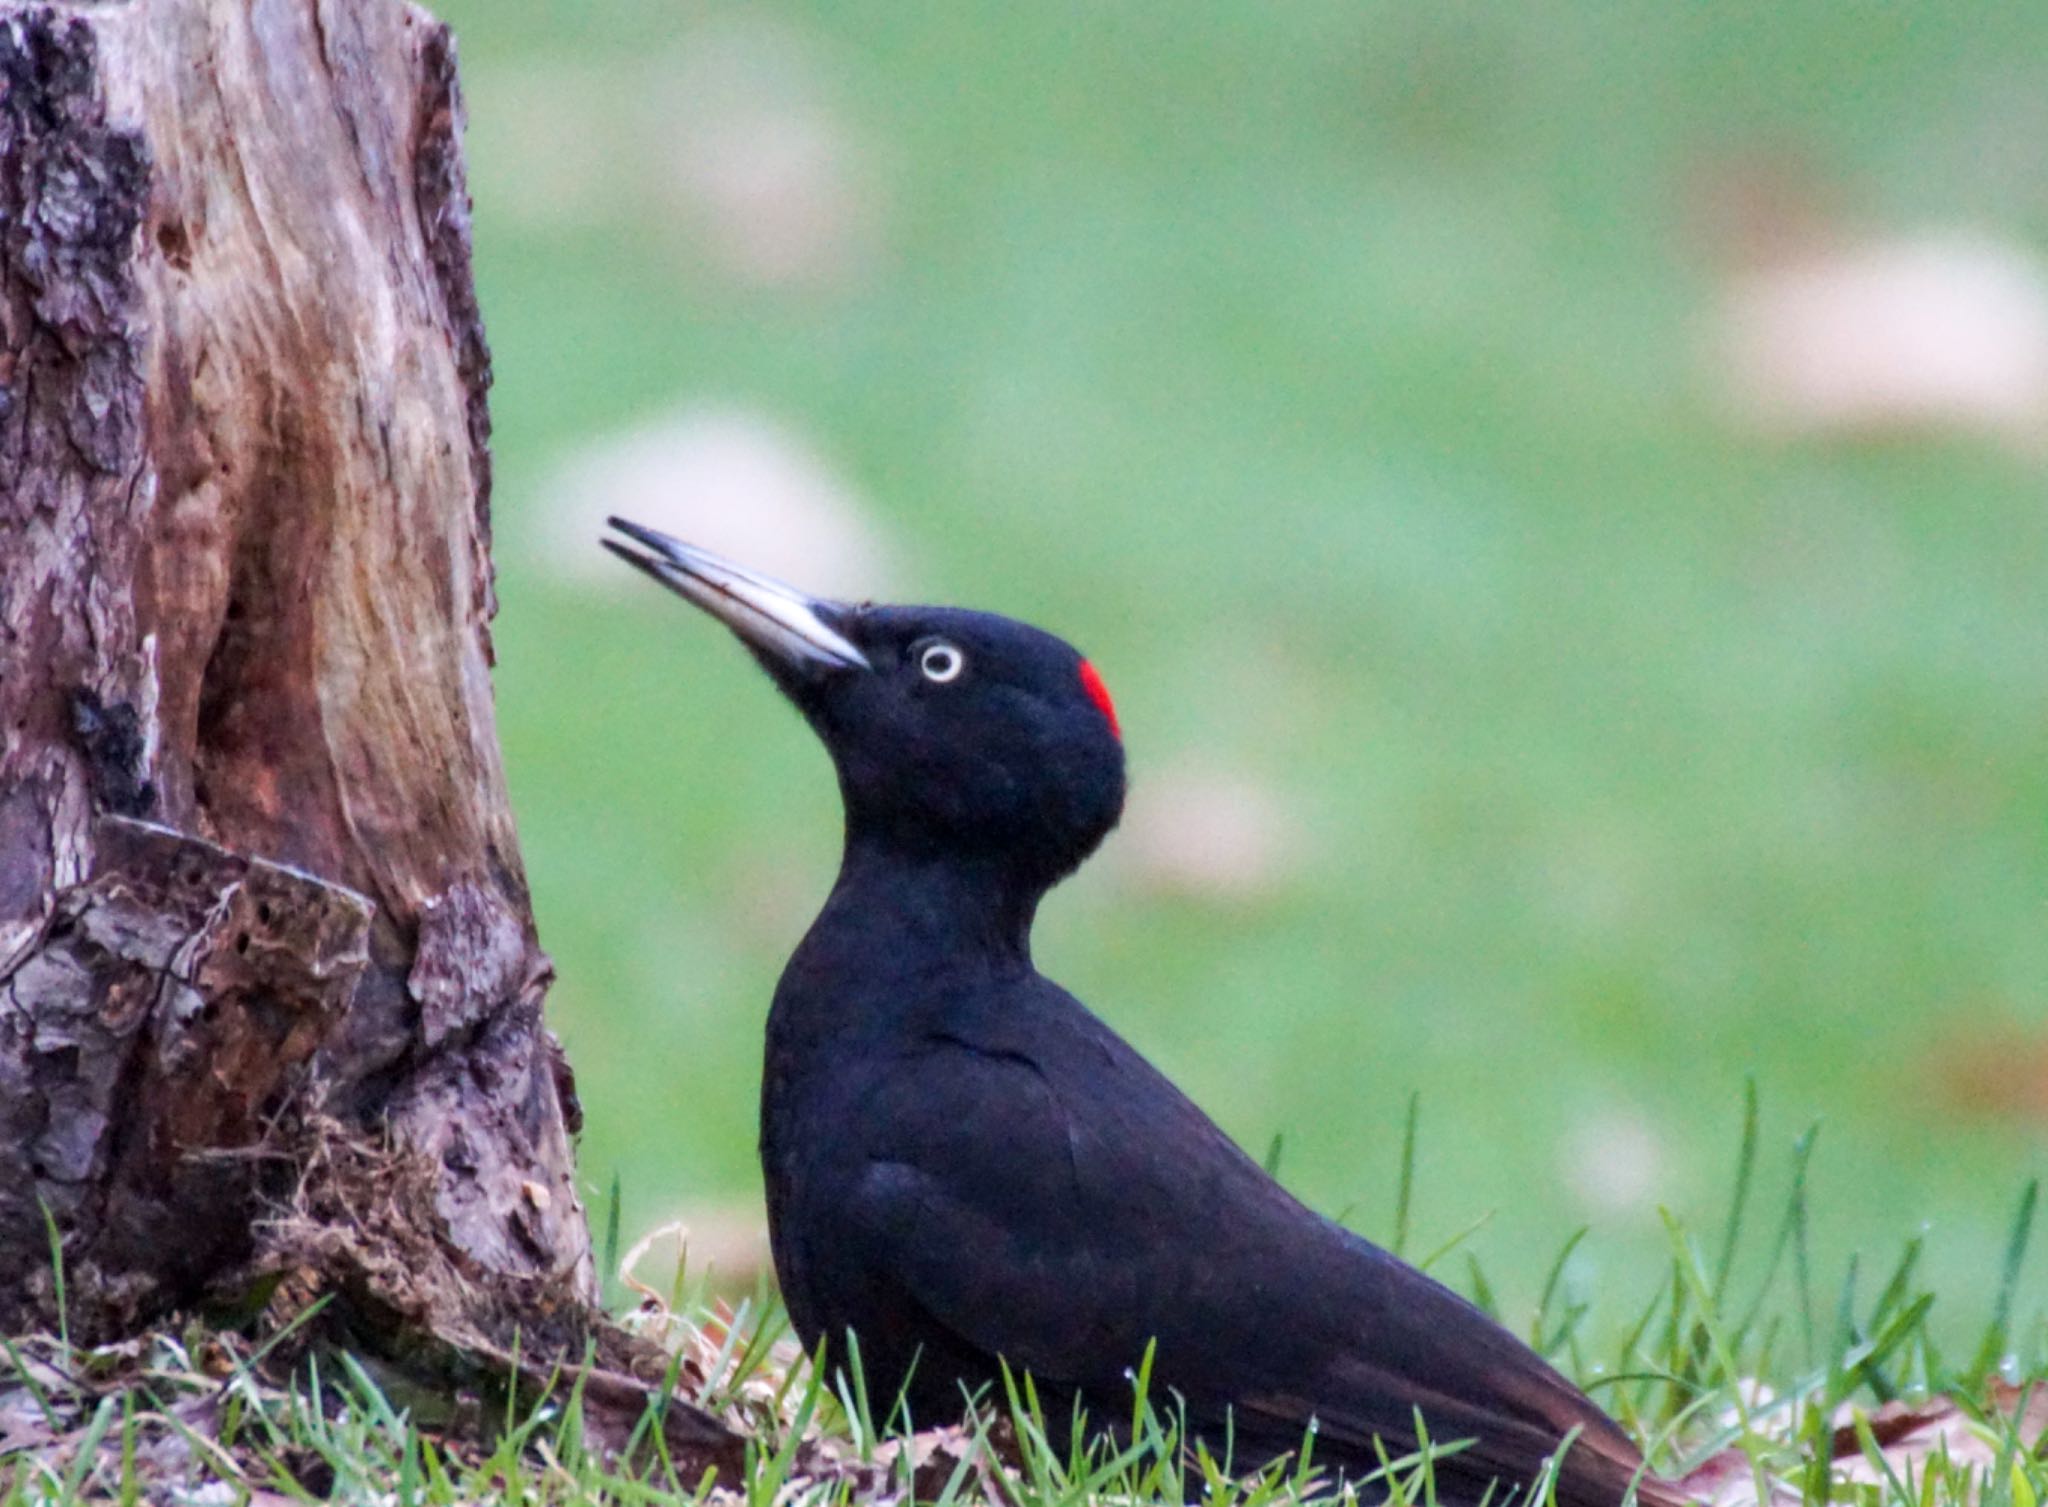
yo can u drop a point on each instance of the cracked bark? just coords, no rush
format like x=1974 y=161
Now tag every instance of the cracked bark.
x=262 y=912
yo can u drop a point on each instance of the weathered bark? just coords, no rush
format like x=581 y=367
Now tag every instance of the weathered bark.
x=259 y=884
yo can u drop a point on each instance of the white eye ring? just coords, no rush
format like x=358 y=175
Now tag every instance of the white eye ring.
x=941 y=662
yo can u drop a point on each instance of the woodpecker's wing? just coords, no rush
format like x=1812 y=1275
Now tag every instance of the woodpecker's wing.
x=1047 y=1196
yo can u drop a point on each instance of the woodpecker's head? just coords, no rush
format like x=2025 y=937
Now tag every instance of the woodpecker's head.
x=954 y=733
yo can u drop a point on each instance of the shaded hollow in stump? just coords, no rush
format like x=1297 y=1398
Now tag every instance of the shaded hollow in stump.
x=263 y=922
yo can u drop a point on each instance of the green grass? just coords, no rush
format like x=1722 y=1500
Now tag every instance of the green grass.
x=1329 y=372
x=1742 y=1350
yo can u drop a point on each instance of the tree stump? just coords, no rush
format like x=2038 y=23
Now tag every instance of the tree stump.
x=270 y=990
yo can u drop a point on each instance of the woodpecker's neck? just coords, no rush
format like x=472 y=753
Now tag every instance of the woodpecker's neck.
x=919 y=908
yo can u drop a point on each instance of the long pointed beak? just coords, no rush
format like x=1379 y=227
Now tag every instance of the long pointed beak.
x=776 y=619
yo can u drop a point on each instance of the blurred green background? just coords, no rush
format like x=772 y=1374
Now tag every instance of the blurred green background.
x=1556 y=491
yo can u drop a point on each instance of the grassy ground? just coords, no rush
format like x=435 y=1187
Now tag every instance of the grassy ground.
x=1745 y=1373
x=1332 y=373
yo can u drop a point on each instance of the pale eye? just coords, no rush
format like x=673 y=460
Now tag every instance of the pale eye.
x=941 y=662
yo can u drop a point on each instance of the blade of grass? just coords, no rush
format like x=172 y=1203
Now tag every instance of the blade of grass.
x=1894 y=1292
x=255 y=1358
x=765 y=1478
x=1802 y=1260
x=57 y=1273
x=1893 y=1295
x=22 y=1374
x=131 y=1486
x=1730 y=1379
x=1455 y=1241
x=853 y=1375
x=1745 y=1173
x=1996 y=1334
x=85 y=1454
x=613 y=1216
x=1909 y=1321
x=1404 y=1194
x=1673 y=1346
x=1788 y=1225
x=1550 y=1286
x=1874 y=1453
x=1482 y=1290
x=1846 y=1333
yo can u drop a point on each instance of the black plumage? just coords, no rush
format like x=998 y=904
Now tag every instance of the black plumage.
x=964 y=1164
